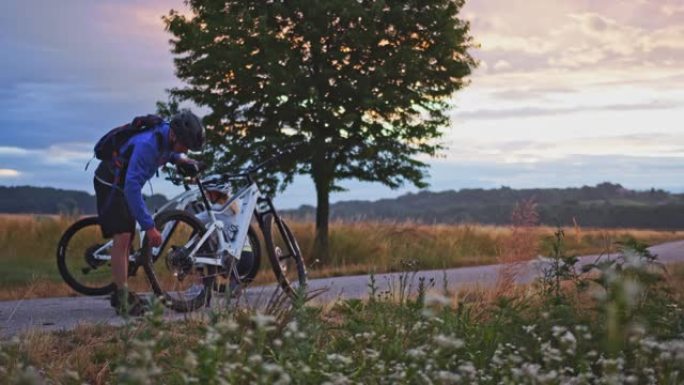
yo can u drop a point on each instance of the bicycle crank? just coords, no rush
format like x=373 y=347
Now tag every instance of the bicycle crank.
x=179 y=262
x=93 y=263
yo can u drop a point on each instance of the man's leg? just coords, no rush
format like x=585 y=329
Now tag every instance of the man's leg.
x=120 y=252
x=124 y=300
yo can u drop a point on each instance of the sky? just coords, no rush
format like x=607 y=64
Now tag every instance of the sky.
x=567 y=93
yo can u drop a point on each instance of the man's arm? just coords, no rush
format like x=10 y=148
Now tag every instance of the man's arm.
x=141 y=162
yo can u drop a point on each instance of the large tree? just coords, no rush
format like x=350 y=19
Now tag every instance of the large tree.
x=362 y=86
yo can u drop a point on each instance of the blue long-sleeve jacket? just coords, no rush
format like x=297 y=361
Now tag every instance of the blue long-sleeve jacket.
x=150 y=150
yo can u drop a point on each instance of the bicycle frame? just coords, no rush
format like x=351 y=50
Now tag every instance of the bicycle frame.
x=233 y=242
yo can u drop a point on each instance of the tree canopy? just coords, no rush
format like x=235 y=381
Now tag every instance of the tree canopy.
x=361 y=87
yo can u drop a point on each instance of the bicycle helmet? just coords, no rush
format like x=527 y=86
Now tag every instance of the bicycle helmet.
x=188 y=130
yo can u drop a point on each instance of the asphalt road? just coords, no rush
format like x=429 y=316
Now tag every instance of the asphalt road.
x=65 y=313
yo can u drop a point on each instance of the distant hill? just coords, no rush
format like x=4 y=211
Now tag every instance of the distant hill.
x=603 y=205
x=46 y=200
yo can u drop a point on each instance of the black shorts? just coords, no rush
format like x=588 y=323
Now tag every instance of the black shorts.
x=112 y=210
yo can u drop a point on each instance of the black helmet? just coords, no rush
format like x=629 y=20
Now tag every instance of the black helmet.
x=188 y=129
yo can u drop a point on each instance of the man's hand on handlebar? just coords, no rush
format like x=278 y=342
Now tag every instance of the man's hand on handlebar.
x=190 y=167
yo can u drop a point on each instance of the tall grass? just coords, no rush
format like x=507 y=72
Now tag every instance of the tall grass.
x=28 y=246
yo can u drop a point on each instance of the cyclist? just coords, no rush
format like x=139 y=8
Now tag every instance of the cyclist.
x=118 y=187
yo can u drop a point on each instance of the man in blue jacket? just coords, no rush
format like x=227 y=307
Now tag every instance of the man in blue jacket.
x=118 y=187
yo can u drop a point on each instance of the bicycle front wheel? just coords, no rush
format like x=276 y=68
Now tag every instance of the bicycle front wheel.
x=182 y=285
x=83 y=260
x=285 y=256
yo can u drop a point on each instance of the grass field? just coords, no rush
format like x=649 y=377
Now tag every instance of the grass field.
x=28 y=247
x=624 y=324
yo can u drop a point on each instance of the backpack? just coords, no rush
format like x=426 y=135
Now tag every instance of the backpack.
x=107 y=148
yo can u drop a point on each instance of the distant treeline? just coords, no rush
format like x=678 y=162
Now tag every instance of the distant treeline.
x=604 y=205
x=46 y=200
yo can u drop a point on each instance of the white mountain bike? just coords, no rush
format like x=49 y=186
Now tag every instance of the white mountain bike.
x=206 y=236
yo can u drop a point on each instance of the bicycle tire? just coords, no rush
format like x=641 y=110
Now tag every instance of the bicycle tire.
x=284 y=238
x=178 y=302
x=63 y=247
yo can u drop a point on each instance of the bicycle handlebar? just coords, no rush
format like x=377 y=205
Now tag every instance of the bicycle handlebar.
x=246 y=174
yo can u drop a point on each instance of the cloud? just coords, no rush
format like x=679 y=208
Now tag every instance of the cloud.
x=59 y=154
x=72 y=70
x=672 y=9
x=632 y=40
x=13 y=151
x=502 y=65
x=8 y=173
x=540 y=93
x=533 y=112
x=502 y=152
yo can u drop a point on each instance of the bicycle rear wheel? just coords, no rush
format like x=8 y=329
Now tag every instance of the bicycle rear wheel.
x=182 y=285
x=77 y=262
x=285 y=255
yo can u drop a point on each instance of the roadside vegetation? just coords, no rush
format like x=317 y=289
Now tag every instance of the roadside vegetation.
x=28 y=246
x=619 y=323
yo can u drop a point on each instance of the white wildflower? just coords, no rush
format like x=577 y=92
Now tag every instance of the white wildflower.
x=262 y=320
x=446 y=377
x=190 y=361
x=557 y=331
x=530 y=370
x=448 y=342
x=416 y=353
x=372 y=354
x=569 y=342
x=547 y=378
x=339 y=359
x=254 y=359
x=468 y=370
x=435 y=299
x=292 y=326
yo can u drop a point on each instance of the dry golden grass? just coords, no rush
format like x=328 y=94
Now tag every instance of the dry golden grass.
x=91 y=350
x=28 y=246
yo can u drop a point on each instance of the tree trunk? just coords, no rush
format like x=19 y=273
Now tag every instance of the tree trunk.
x=321 y=245
x=322 y=173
